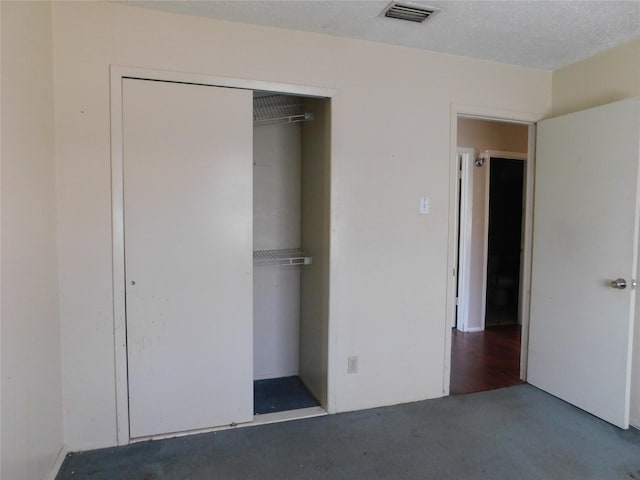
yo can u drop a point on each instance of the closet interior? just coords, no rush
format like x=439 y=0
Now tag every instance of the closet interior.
x=291 y=244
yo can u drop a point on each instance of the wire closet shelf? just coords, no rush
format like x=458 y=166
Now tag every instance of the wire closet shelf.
x=284 y=256
x=279 y=109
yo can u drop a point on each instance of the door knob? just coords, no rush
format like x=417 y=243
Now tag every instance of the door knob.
x=619 y=283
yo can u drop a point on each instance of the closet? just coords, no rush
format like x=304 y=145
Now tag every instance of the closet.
x=290 y=251
x=226 y=242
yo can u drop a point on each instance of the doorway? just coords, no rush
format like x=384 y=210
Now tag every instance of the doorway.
x=487 y=336
x=290 y=201
x=504 y=241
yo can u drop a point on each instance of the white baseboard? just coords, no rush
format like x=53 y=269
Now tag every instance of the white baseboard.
x=475 y=329
x=263 y=419
x=269 y=376
x=53 y=473
x=277 y=417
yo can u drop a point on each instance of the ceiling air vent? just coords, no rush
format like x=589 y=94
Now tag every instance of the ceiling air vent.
x=406 y=11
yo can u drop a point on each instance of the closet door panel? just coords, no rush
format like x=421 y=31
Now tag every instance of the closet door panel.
x=188 y=242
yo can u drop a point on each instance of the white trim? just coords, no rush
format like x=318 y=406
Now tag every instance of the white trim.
x=265 y=419
x=117 y=73
x=278 y=417
x=503 y=154
x=117 y=212
x=633 y=396
x=453 y=247
x=461 y=110
x=456 y=221
x=464 y=225
x=57 y=464
x=475 y=329
x=527 y=253
x=488 y=113
x=220 y=81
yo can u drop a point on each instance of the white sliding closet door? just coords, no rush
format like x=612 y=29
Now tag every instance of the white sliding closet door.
x=188 y=255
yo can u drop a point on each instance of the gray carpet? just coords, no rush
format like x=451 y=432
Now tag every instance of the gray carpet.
x=518 y=433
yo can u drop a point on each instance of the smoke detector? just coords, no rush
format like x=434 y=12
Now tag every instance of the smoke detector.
x=408 y=12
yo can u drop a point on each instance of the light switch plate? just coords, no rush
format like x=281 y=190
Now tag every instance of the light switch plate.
x=352 y=364
x=425 y=205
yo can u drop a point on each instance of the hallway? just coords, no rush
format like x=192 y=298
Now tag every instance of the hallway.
x=485 y=360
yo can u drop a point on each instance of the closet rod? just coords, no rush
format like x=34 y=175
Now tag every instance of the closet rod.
x=304 y=117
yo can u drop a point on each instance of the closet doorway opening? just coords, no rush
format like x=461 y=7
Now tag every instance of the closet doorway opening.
x=492 y=269
x=291 y=247
x=183 y=236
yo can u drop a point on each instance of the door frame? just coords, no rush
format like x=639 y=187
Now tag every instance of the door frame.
x=483 y=113
x=464 y=226
x=117 y=74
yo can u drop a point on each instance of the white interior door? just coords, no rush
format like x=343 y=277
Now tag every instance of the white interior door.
x=585 y=236
x=188 y=255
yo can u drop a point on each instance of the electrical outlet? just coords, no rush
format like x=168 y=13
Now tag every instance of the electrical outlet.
x=352 y=364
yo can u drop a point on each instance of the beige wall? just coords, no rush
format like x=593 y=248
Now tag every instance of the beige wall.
x=276 y=224
x=314 y=295
x=607 y=77
x=31 y=399
x=490 y=135
x=604 y=78
x=390 y=145
x=484 y=135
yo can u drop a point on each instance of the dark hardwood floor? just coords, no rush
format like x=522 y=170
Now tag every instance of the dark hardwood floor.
x=485 y=360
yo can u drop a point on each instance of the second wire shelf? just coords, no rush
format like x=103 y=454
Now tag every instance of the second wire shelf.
x=284 y=256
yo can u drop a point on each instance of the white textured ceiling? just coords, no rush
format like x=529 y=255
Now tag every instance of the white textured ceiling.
x=545 y=34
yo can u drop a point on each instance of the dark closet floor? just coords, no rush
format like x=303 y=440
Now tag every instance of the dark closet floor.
x=485 y=360
x=281 y=394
